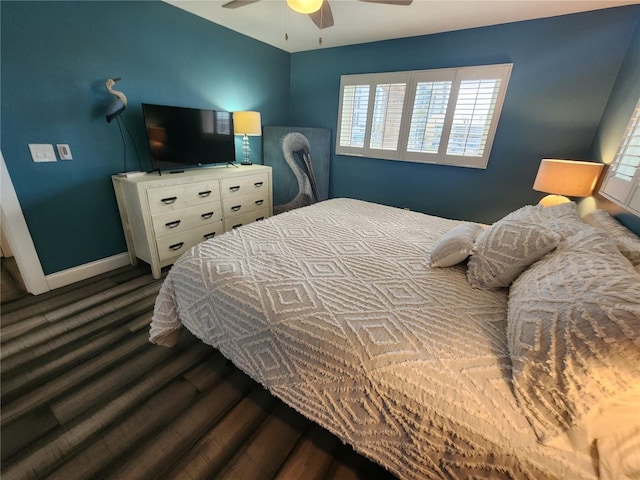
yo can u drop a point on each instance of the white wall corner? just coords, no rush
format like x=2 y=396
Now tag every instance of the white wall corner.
x=17 y=234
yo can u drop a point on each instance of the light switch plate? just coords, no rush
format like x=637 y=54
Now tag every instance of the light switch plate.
x=42 y=152
x=64 y=152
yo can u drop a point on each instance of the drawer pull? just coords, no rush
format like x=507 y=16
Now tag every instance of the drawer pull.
x=235 y=188
x=205 y=193
x=236 y=208
x=258 y=184
x=169 y=200
x=236 y=226
x=173 y=224
x=176 y=246
x=259 y=202
x=207 y=215
x=259 y=218
x=207 y=236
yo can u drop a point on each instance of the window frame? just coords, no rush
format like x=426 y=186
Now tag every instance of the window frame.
x=411 y=79
x=625 y=193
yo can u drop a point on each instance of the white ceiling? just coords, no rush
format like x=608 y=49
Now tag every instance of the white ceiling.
x=361 y=22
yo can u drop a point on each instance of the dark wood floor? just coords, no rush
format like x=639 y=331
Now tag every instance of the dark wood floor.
x=84 y=395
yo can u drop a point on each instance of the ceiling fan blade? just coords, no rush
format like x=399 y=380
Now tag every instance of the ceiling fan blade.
x=323 y=18
x=238 y=3
x=390 y=2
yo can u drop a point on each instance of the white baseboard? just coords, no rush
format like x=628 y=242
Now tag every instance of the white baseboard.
x=88 y=270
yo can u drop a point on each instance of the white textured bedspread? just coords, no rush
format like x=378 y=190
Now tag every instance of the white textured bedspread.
x=335 y=310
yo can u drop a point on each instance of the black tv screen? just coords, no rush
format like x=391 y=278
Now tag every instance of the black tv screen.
x=182 y=137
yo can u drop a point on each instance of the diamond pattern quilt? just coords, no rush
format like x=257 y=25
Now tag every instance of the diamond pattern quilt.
x=334 y=309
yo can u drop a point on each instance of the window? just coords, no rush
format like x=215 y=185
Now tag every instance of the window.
x=622 y=183
x=446 y=116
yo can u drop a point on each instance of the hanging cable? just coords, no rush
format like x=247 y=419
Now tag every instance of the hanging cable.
x=135 y=147
x=124 y=145
x=286 y=22
x=321 y=19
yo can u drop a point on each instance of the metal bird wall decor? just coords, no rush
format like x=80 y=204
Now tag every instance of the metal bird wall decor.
x=119 y=103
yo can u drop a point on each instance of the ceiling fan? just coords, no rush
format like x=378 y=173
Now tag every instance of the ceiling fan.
x=322 y=16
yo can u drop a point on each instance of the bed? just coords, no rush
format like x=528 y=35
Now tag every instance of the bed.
x=421 y=340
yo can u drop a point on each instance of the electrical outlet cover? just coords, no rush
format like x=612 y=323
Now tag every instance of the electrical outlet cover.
x=64 y=152
x=42 y=152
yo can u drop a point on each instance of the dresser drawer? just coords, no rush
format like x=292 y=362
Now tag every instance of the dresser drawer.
x=165 y=215
x=240 y=220
x=175 y=245
x=242 y=204
x=176 y=197
x=176 y=221
x=238 y=186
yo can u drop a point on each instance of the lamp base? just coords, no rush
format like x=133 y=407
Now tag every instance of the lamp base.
x=246 y=149
x=551 y=200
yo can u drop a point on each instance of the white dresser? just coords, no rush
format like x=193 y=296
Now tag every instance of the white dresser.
x=164 y=215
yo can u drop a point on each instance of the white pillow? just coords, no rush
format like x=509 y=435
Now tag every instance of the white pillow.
x=573 y=331
x=627 y=242
x=455 y=245
x=509 y=246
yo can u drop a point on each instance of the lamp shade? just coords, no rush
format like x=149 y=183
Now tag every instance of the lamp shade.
x=567 y=177
x=247 y=123
x=305 y=6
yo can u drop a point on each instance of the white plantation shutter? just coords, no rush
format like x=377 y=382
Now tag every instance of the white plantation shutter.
x=387 y=115
x=354 y=105
x=427 y=119
x=472 y=117
x=446 y=116
x=622 y=184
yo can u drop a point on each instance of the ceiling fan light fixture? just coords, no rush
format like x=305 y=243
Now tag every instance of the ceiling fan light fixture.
x=305 y=6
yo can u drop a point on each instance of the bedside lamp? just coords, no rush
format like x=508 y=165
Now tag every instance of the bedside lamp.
x=246 y=124
x=565 y=177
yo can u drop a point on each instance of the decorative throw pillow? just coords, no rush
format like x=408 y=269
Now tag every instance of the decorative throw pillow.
x=509 y=246
x=563 y=219
x=455 y=245
x=627 y=242
x=573 y=331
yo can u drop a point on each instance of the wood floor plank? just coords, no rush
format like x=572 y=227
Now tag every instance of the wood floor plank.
x=267 y=451
x=26 y=431
x=50 y=453
x=209 y=455
x=93 y=391
x=46 y=303
x=107 y=449
x=312 y=457
x=87 y=299
x=140 y=322
x=69 y=293
x=83 y=350
x=25 y=356
x=349 y=465
x=82 y=373
x=75 y=320
x=209 y=372
x=186 y=429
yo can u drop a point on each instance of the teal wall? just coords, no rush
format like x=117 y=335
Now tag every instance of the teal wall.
x=56 y=56
x=563 y=71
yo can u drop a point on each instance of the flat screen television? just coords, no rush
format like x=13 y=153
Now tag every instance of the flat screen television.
x=181 y=137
